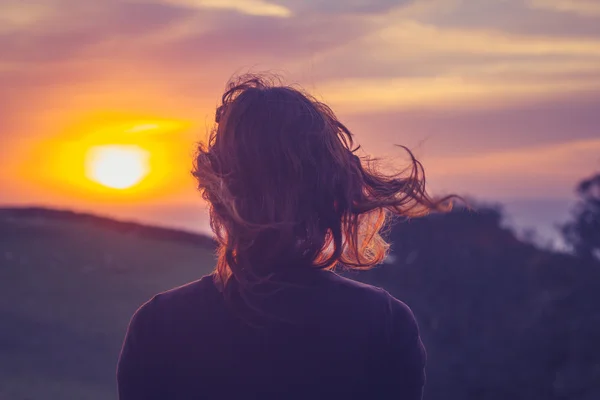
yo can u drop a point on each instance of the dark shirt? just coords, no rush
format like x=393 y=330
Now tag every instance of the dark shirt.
x=337 y=338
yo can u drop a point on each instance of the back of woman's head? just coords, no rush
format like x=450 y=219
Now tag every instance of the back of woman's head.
x=287 y=189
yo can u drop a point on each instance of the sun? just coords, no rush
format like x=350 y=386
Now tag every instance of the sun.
x=117 y=166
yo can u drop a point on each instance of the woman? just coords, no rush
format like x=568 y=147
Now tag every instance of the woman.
x=289 y=201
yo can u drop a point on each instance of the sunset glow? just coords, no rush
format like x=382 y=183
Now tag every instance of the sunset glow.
x=117 y=167
x=498 y=99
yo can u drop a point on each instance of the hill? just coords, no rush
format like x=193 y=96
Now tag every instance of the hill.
x=69 y=285
x=501 y=318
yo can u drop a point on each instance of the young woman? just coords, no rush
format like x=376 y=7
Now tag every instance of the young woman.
x=289 y=199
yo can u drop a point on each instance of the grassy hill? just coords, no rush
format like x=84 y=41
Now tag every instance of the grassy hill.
x=501 y=318
x=69 y=285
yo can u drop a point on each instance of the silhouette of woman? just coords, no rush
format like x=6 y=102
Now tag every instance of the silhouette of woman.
x=290 y=199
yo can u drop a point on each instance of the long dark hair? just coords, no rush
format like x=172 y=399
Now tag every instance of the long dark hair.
x=287 y=188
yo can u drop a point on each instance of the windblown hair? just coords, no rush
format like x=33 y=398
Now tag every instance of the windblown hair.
x=287 y=188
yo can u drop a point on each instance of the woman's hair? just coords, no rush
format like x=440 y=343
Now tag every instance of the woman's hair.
x=287 y=188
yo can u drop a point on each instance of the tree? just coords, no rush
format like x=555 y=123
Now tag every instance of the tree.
x=583 y=232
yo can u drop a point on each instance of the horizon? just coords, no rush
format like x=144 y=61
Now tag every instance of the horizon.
x=498 y=100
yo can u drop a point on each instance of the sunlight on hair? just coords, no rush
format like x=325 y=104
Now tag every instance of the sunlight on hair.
x=117 y=166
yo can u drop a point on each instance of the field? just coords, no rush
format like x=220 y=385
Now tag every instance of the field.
x=69 y=287
x=501 y=319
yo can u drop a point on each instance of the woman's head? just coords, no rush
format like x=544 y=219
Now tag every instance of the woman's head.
x=287 y=189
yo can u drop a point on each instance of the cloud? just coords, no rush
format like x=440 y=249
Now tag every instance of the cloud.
x=443 y=92
x=249 y=7
x=494 y=90
x=586 y=8
x=345 y=7
x=465 y=131
x=17 y=15
x=361 y=62
x=414 y=38
x=404 y=63
x=240 y=42
x=62 y=36
x=395 y=42
x=395 y=54
x=551 y=160
x=537 y=171
x=507 y=16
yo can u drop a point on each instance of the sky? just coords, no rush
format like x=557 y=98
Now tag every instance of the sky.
x=500 y=99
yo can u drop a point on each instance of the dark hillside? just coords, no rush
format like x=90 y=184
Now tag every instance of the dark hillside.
x=69 y=284
x=47 y=215
x=501 y=319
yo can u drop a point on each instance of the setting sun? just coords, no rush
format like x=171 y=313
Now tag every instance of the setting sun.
x=117 y=166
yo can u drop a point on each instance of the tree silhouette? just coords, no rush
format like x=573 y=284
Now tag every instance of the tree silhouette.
x=583 y=232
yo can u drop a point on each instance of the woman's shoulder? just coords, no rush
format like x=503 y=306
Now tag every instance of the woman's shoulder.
x=394 y=309
x=201 y=288
x=175 y=302
x=364 y=289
